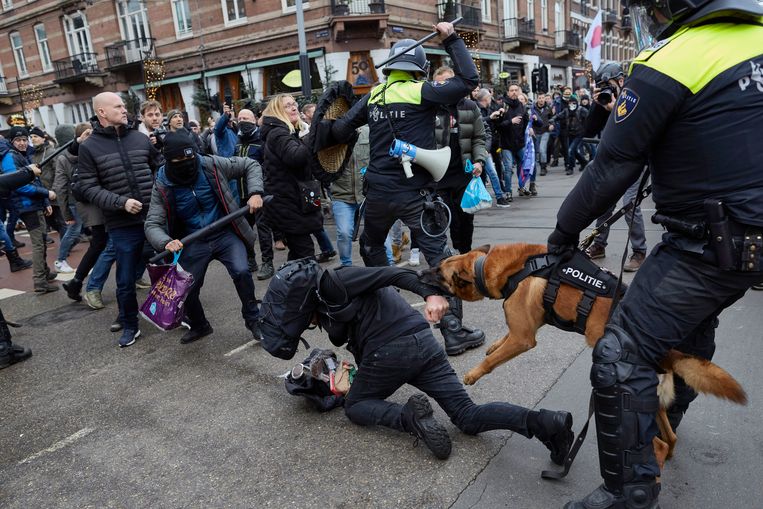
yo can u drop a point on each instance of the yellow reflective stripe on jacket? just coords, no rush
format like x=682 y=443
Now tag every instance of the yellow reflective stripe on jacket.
x=694 y=56
x=400 y=89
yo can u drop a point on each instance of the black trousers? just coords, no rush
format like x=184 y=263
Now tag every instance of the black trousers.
x=94 y=249
x=300 y=245
x=461 y=223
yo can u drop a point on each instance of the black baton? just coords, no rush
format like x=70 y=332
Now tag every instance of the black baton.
x=417 y=44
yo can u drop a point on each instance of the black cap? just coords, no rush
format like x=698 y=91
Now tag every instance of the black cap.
x=39 y=132
x=178 y=144
x=17 y=132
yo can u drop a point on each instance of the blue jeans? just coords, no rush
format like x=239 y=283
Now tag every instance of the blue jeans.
x=229 y=250
x=5 y=239
x=541 y=147
x=576 y=145
x=493 y=176
x=102 y=267
x=344 y=217
x=419 y=360
x=509 y=158
x=128 y=243
x=324 y=242
x=72 y=234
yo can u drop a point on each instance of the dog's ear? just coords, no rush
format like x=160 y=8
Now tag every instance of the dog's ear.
x=485 y=249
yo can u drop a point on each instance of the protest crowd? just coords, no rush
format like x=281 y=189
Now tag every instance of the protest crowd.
x=130 y=188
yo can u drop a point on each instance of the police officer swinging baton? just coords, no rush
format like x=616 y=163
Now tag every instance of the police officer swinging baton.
x=417 y=44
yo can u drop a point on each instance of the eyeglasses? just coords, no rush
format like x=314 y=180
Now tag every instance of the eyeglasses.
x=290 y=105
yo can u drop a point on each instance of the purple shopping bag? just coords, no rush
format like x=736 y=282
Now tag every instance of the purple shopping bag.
x=170 y=284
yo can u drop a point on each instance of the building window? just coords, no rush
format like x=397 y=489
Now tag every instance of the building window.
x=78 y=38
x=7 y=5
x=530 y=9
x=486 y=15
x=544 y=15
x=42 y=46
x=234 y=11
x=133 y=20
x=291 y=5
x=81 y=112
x=181 y=13
x=18 y=54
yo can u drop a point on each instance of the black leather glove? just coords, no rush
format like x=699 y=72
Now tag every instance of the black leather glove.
x=560 y=242
x=323 y=138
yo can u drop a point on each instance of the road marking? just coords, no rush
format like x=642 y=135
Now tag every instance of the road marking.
x=9 y=292
x=241 y=348
x=59 y=445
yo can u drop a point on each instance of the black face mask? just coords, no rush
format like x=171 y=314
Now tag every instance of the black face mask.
x=182 y=173
x=246 y=129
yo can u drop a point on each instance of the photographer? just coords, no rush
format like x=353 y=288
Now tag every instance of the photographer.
x=152 y=119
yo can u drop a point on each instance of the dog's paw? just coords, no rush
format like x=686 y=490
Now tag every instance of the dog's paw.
x=471 y=378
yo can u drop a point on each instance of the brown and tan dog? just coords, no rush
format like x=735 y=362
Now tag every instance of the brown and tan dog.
x=524 y=315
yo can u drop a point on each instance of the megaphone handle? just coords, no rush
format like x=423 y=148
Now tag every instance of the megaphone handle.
x=407 y=166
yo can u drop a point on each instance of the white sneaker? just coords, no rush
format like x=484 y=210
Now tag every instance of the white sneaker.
x=63 y=267
x=414 y=260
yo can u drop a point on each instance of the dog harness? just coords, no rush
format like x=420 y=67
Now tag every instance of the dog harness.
x=576 y=270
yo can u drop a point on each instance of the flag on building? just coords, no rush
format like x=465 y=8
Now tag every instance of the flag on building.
x=593 y=42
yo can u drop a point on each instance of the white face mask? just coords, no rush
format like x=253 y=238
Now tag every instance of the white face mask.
x=573 y=107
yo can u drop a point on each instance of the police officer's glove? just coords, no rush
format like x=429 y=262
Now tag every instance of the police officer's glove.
x=322 y=136
x=562 y=244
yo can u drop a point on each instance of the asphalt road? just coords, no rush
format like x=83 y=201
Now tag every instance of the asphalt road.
x=160 y=424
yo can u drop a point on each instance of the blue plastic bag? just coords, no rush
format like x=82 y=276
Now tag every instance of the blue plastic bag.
x=475 y=196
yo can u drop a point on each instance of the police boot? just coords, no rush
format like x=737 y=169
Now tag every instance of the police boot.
x=418 y=420
x=16 y=262
x=622 y=425
x=458 y=337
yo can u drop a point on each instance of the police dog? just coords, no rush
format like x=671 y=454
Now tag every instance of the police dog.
x=524 y=314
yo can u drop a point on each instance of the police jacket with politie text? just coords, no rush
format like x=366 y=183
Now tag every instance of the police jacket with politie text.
x=696 y=117
x=412 y=105
x=364 y=311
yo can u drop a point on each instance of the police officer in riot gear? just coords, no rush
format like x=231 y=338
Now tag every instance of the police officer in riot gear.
x=404 y=108
x=697 y=121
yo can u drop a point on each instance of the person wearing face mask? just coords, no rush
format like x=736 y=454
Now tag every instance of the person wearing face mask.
x=573 y=118
x=562 y=141
x=250 y=145
x=187 y=196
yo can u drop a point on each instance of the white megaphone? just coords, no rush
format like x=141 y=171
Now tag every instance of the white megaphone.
x=434 y=161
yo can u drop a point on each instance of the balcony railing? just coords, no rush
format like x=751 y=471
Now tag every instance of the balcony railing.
x=3 y=86
x=569 y=40
x=129 y=52
x=353 y=7
x=519 y=29
x=448 y=11
x=76 y=66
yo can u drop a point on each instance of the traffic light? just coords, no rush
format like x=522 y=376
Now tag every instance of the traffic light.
x=543 y=80
x=535 y=80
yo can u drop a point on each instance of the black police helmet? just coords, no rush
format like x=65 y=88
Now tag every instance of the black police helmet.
x=610 y=71
x=412 y=61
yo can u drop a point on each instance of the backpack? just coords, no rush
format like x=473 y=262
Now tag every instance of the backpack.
x=75 y=186
x=288 y=305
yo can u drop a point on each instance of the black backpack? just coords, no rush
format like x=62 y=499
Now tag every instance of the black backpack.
x=288 y=305
x=75 y=186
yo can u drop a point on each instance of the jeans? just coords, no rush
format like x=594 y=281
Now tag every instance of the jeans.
x=541 y=148
x=5 y=239
x=419 y=360
x=229 y=250
x=102 y=267
x=12 y=219
x=493 y=176
x=344 y=217
x=128 y=243
x=509 y=157
x=576 y=145
x=637 y=234
x=324 y=242
x=72 y=234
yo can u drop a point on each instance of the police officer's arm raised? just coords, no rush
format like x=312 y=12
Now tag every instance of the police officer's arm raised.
x=647 y=104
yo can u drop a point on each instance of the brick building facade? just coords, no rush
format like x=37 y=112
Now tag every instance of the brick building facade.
x=56 y=55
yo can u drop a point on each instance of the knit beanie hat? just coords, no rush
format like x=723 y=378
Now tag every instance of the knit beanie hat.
x=178 y=144
x=17 y=131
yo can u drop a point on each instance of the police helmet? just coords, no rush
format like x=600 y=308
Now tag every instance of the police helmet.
x=413 y=61
x=657 y=19
x=609 y=71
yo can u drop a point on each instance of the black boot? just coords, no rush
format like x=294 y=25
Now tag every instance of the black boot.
x=458 y=337
x=16 y=262
x=543 y=170
x=73 y=289
x=419 y=421
x=196 y=333
x=554 y=429
x=11 y=354
x=636 y=495
x=252 y=262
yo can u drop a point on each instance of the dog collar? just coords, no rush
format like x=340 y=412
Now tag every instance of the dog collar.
x=479 y=276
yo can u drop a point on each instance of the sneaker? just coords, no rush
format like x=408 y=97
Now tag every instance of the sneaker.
x=93 y=299
x=503 y=202
x=533 y=189
x=758 y=287
x=63 y=267
x=419 y=421
x=196 y=334
x=595 y=251
x=45 y=287
x=142 y=284
x=128 y=337
x=414 y=260
x=324 y=257
x=523 y=192
x=266 y=271
x=636 y=259
x=116 y=326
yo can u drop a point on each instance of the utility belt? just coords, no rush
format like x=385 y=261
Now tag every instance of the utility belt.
x=732 y=246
